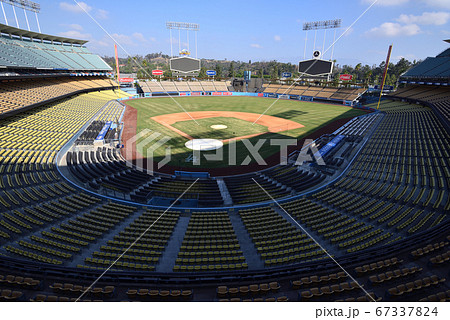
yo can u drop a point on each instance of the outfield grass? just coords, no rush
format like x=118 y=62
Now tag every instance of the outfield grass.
x=312 y=115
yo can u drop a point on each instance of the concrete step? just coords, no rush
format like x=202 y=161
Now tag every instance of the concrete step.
x=227 y=200
x=169 y=256
x=248 y=249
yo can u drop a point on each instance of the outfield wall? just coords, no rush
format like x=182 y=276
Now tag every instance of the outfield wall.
x=247 y=94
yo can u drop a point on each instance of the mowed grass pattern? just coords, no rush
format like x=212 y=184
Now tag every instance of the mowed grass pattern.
x=235 y=128
x=312 y=115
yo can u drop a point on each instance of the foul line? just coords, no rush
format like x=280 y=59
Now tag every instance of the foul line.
x=303 y=73
x=323 y=249
x=133 y=59
x=135 y=241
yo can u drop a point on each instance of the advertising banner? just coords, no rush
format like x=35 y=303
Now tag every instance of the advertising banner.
x=345 y=77
x=157 y=72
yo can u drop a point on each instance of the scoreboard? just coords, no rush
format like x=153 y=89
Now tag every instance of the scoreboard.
x=315 y=67
x=185 y=65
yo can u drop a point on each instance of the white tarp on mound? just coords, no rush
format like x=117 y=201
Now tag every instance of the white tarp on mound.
x=204 y=144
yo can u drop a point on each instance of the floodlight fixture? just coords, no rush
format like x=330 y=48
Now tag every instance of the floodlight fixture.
x=326 y=24
x=182 y=26
x=24 y=4
x=321 y=25
x=188 y=26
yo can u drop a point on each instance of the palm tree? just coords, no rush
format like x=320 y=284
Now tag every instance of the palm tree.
x=357 y=69
x=367 y=76
x=261 y=73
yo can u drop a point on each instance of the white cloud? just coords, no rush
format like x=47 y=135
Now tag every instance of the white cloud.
x=387 y=3
x=438 y=3
x=82 y=7
x=390 y=29
x=139 y=36
x=349 y=31
x=123 y=39
x=106 y=42
x=102 y=14
x=75 y=26
x=75 y=34
x=277 y=38
x=408 y=56
x=435 y=18
x=445 y=4
x=256 y=45
x=143 y=40
x=75 y=8
x=100 y=43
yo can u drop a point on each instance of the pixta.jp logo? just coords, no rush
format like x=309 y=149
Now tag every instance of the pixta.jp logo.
x=146 y=143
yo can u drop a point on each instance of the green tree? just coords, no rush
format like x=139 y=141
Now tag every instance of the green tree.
x=167 y=74
x=218 y=70
x=401 y=66
x=274 y=72
x=357 y=69
x=261 y=73
x=202 y=73
x=368 y=76
x=231 y=71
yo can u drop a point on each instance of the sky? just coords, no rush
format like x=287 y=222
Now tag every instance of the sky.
x=251 y=30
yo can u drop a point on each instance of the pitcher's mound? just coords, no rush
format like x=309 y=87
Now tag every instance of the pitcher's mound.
x=204 y=144
x=218 y=126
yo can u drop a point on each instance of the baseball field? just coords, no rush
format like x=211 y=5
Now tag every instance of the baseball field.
x=224 y=118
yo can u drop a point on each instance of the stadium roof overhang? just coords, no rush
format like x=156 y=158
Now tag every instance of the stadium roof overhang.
x=35 y=35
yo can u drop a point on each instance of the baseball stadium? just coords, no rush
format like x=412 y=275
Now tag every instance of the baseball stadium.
x=218 y=189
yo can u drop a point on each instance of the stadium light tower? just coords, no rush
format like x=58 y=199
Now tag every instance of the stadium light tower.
x=321 y=25
x=25 y=5
x=182 y=26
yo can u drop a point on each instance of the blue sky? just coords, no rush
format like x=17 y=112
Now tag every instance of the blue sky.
x=253 y=30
